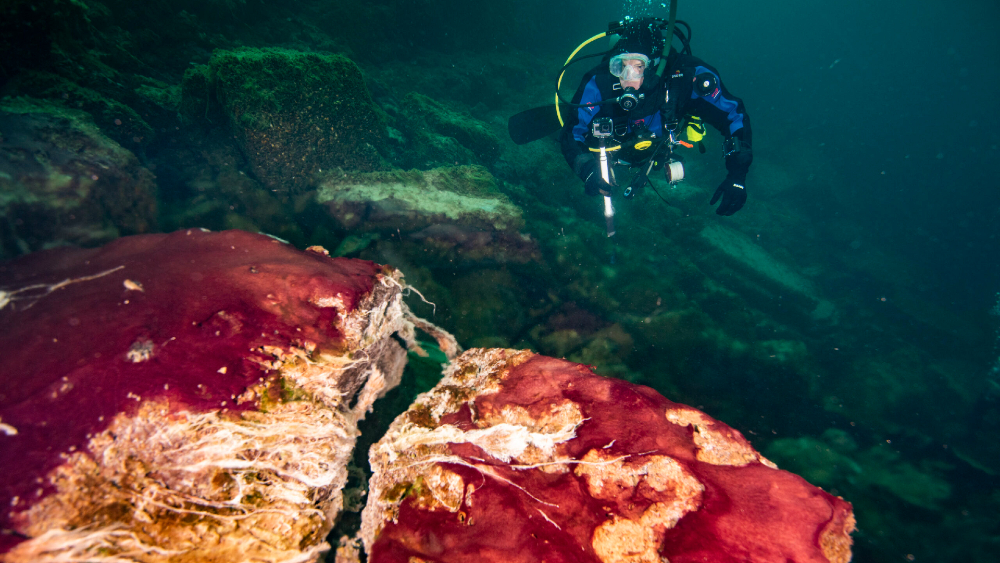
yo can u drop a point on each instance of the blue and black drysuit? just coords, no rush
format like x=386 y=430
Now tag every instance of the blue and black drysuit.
x=695 y=90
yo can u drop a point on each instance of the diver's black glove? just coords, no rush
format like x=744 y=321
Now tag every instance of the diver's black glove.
x=590 y=172
x=739 y=156
x=733 y=192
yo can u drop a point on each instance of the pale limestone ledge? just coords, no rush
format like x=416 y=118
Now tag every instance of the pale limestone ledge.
x=464 y=194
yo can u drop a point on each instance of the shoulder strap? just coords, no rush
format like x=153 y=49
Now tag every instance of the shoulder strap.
x=678 y=78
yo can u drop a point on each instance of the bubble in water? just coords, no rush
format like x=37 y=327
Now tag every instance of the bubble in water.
x=634 y=9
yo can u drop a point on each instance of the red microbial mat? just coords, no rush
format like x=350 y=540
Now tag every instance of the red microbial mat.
x=208 y=303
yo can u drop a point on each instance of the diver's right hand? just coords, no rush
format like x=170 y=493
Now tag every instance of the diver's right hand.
x=593 y=182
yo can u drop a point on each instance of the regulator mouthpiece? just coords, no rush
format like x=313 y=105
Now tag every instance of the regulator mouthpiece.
x=630 y=99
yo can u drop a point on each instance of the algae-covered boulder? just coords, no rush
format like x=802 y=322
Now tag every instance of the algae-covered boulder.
x=62 y=181
x=834 y=461
x=516 y=457
x=202 y=184
x=191 y=396
x=442 y=135
x=455 y=211
x=196 y=99
x=296 y=114
x=763 y=272
x=114 y=118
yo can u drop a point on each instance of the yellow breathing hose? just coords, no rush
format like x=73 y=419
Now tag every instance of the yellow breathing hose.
x=559 y=82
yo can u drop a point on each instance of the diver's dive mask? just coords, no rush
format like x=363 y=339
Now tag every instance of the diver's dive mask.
x=629 y=66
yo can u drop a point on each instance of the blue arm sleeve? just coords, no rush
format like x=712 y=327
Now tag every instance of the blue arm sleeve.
x=720 y=99
x=591 y=94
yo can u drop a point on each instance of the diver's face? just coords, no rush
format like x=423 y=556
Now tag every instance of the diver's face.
x=633 y=73
x=632 y=83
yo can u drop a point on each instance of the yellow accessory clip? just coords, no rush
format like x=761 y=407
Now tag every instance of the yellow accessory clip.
x=643 y=145
x=695 y=130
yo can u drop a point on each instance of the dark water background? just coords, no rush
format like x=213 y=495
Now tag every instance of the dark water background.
x=897 y=94
x=876 y=144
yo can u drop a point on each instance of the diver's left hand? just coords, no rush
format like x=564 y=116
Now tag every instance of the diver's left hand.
x=733 y=193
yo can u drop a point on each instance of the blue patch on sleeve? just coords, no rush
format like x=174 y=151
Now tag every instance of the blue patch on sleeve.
x=723 y=103
x=591 y=94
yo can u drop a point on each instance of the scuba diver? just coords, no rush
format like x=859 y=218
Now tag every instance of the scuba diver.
x=635 y=105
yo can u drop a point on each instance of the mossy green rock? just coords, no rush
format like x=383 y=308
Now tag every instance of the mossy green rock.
x=828 y=463
x=63 y=182
x=765 y=273
x=203 y=186
x=114 y=118
x=443 y=135
x=196 y=95
x=296 y=114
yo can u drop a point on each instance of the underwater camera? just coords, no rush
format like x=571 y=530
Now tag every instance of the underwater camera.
x=602 y=128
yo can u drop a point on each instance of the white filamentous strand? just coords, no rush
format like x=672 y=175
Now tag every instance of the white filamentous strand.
x=6 y=297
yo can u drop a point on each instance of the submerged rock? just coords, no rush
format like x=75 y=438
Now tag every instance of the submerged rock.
x=519 y=457
x=451 y=212
x=191 y=396
x=115 y=119
x=64 y=182
x=294 y=114
x=444 y=136
x=834 y=462
x=768 y=274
